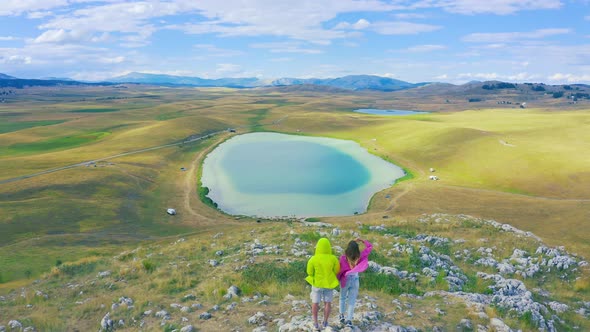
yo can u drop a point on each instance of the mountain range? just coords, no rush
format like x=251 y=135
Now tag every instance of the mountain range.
x=352 y=82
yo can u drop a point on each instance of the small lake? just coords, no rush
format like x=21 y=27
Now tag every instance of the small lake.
x=279 y=175
x=388 y=112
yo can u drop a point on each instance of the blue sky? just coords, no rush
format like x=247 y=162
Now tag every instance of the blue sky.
x=417 y=41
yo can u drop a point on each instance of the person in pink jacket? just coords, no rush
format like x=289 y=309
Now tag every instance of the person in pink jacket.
x=352 y=263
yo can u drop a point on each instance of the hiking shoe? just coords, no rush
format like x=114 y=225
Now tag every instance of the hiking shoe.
x=325 y=324
x=317 y=327
x=341 y=318
x=349 y=323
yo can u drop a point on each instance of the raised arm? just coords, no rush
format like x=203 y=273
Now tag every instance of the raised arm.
x=365 y=253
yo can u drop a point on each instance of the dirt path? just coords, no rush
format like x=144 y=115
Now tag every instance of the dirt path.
x=190 y=184
x=395 y=200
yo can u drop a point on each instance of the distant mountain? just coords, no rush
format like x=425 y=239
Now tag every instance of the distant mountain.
x=56 y=78
x=7 y=81
x=307 y=88
x=352 y=82
x=248 y=82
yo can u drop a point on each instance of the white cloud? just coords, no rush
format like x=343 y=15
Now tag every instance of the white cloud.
x=39 y=14
x=228 y=69
x=569 y=78
x=387 y=27
x=402 y=28
x=17 y=7
x=284 y=59
x=62 y=36
x=286 y=47
x=303 y=21
x=503 y=37
x=8 y=38
x=16 y=60
x=409 y=16
x=442 y=77
x=112 y=60
x=494 y=46
x=211 y=50
x=358 y=25
x=499 y=7
x=479 y=76
x=388 y=75
x=518 y=77
x=425 y=48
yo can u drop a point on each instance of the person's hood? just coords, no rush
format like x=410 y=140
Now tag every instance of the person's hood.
x=323 y=247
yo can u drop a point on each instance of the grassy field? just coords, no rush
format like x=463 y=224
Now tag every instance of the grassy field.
x=524 y=167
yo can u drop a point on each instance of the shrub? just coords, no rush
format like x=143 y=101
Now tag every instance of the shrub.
x=281 y=273
x=392 y=230
x=558 y=94
x=83 y=266
x=203 y=192
x=378 y=258
x=148 y=266
x=309 y=236
x=477 y=285
x=388 y=284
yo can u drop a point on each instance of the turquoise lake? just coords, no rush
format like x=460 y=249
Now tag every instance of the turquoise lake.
x=279 y=175
x=388 y=112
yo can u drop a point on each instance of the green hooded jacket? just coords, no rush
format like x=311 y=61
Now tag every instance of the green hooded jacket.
x=323 y=266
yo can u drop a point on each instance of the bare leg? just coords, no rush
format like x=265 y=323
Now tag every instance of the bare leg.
x=314 y=312
x=327 y=309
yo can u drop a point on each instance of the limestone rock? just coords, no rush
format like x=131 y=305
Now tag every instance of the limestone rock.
x=163 y=314
x=258 y=318
x=499 y=326
x=558 y=307
x=189 y=297
x=232 y=291
x=15 y=324
x=106 y=323
x=188 y=328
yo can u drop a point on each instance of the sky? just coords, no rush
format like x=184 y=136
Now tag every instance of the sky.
x=453 y=41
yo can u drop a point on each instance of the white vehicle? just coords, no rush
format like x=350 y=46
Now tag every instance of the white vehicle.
x=171 y=212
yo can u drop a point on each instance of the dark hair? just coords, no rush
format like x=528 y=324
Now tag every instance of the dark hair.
x=352 y=251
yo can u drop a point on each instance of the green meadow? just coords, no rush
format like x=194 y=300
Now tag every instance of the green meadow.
x=52 y=144
x=522 y=167
x=8 y=126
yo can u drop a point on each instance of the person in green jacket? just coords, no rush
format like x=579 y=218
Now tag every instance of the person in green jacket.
x=321 y=275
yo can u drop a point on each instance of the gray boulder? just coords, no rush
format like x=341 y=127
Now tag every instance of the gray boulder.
x=232 y=291
x=188 y=328
x=15 y=324
x=106 y=323
x=258 y=318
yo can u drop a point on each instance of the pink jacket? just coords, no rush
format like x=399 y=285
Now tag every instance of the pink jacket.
x=362 y=265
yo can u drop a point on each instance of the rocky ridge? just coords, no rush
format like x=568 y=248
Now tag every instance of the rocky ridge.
x=492 y=277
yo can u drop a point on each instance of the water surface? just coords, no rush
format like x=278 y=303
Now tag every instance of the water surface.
x=278 y=175
x=388 y=112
